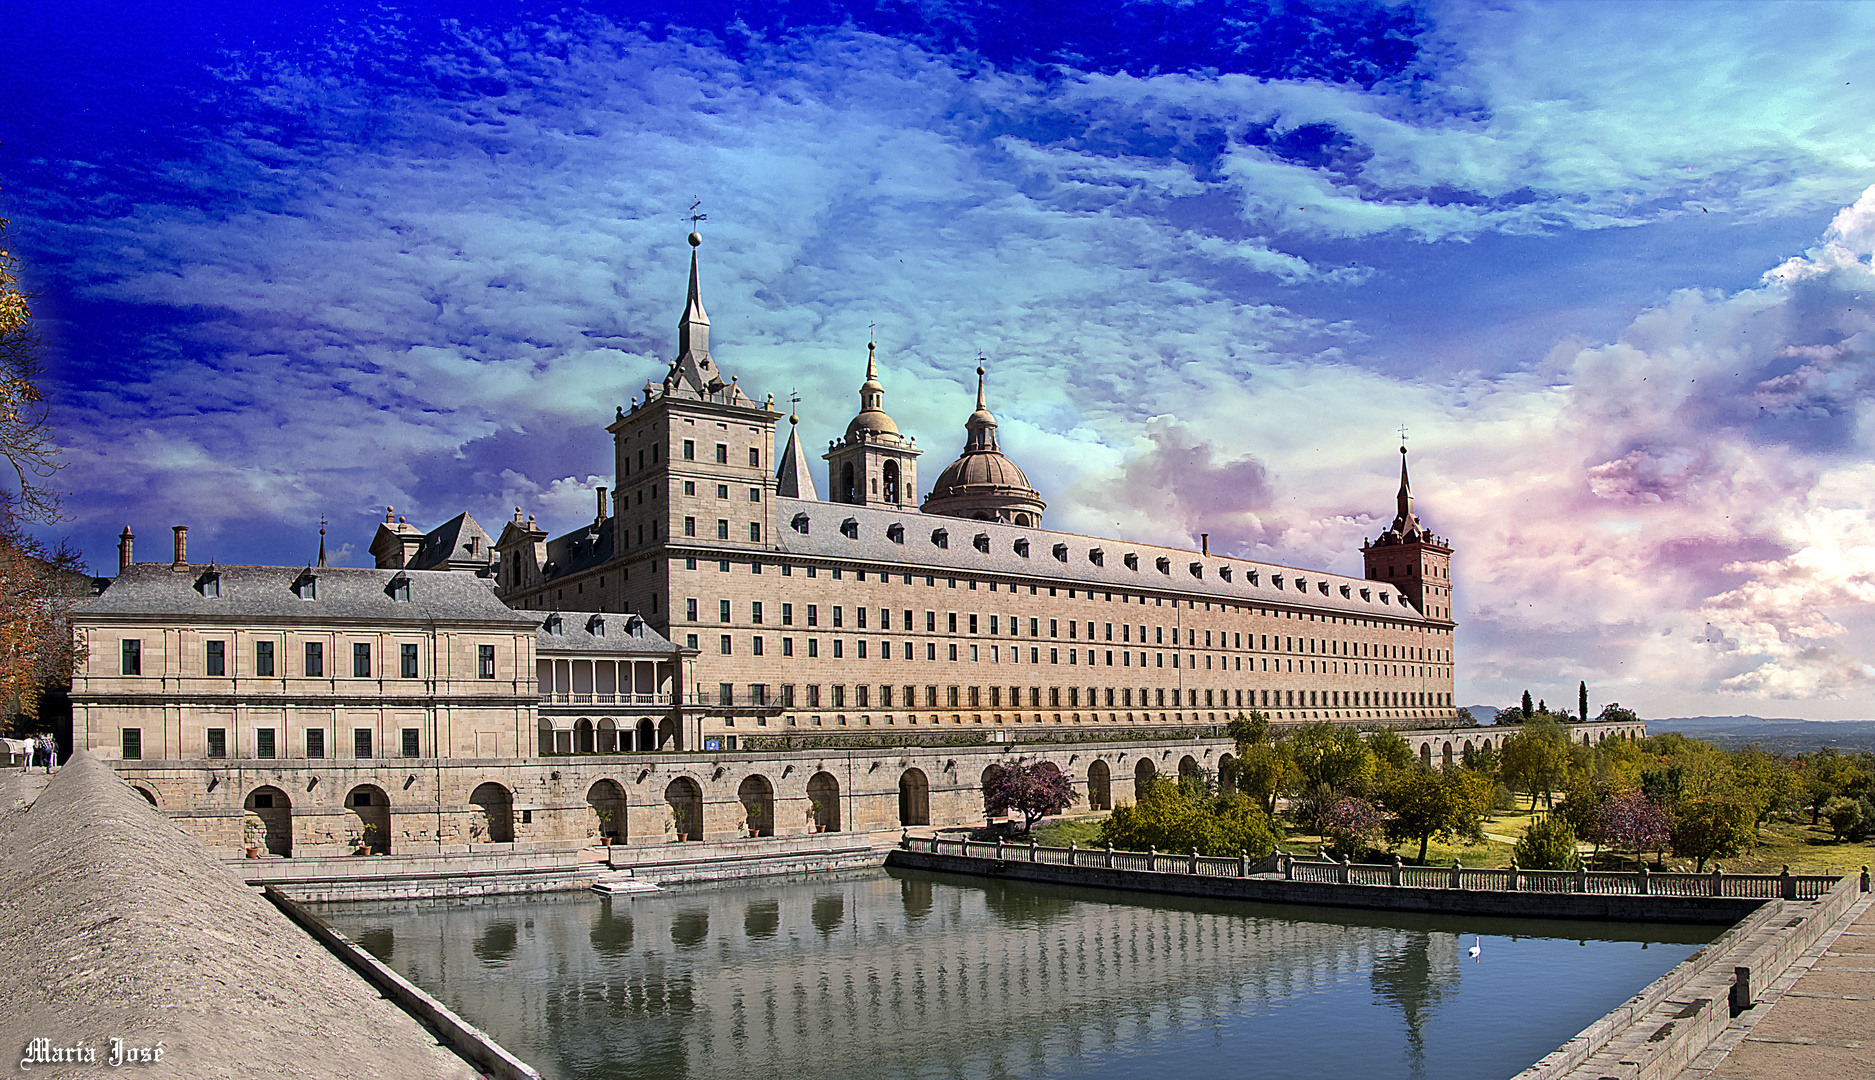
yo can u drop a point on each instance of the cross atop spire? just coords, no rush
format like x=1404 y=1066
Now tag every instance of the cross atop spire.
x=1406 y=522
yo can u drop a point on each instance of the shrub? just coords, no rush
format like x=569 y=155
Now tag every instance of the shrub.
x=1350 y=824
x=1844 y=816
x=1173 y=816
x=1550 y=844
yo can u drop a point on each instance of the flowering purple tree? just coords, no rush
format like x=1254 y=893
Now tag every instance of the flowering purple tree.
x=1349 y=823
x=1032 y=790
x=1630 y=822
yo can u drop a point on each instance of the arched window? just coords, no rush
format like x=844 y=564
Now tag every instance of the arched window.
x=891 y=481
x=848 y=493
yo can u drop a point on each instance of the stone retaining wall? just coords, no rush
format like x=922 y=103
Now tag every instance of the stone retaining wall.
x=117 y=925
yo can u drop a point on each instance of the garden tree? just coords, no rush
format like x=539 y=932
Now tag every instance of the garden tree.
x=1631 y=822
x=1582 y=804
x=1845 y=817
x=1827 y=774
x=1614 y=711
x=1263 y=770
x=1582 y=700
x=1765 y=782
x=1350 y=824
x=38 y=585
x=1465 y=719
x=1390 y=750
x=1428 y=803
x=1034 y=790
x=1711 y=827
x=1535 y=758
x=1528 y=710
x=1549 y=844
x=1332 y=756
x=1184 y=816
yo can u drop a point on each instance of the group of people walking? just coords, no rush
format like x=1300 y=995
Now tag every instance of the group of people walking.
x=41 y=750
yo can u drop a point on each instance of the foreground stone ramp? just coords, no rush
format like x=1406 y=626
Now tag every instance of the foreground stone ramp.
x=117 y=926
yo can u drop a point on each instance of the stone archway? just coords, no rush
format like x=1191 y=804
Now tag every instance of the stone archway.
x=647 y=736
x=1226 y=775
x=495 y=805
x=990 y=773
x=1099 y=786
x=545 y=740
x=1053 y=770
x=369 y=818
x=583 y=742
x=1425 y=754
x=1143 y=771
x=668 y=739
x=757 y=797
x=148 y=795
x=914 y=798
x=607 y=801
x=1187 y=766
x=275 y=812
x=823 y=791
x=685 y=800
x=1445 y=755
x=608 y=734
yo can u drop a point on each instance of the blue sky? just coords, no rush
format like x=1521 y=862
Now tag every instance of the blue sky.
x=1609 y=263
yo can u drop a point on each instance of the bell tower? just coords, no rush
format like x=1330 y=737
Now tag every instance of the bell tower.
x=1411 y=559
x=874 y=465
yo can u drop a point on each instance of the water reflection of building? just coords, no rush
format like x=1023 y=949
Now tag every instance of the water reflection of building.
x=884 y=971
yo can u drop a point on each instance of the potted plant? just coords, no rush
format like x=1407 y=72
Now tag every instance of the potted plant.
x=253 y=831
x=367 y=836
x=605 y=815
x=754 y=821
x=814 y=808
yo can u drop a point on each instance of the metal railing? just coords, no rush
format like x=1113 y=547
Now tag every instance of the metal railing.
x=1641 y=882
x=607 y=699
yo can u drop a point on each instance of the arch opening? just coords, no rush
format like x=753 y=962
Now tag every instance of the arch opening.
x=368 y=819
x=914 y=798
x=757 y=797
x=493 y=822
x=606 y=799
x=823 y=802
x=275 y=812
x=685 y=800
x=1099 y=786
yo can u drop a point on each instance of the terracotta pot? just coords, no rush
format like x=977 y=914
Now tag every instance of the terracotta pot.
x=253 y=853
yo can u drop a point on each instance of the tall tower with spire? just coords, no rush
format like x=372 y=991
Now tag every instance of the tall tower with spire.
x=982 y=484
x=1410 y=558
x=875 y=465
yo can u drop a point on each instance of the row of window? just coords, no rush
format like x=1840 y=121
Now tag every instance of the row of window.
x=690 y=454
x=888 y=696
x=266 y=743
x=758 y=616
x=930 y=580
x=313 y=659
x=722 y=529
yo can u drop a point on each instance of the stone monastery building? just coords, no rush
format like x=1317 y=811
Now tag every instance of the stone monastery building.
x=866 y=611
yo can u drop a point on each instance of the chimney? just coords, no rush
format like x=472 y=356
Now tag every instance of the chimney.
x=182 y=547
x=1204 y=541
x=124 y=540
x=602 y=504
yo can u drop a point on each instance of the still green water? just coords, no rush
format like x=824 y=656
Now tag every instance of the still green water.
x=896 y=973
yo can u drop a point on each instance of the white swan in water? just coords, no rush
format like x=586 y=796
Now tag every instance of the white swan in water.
x=1477 y=943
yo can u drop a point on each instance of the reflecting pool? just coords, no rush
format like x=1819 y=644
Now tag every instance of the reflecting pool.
x=907 y=974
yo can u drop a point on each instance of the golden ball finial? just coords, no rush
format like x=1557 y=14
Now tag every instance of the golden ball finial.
x=696 y=239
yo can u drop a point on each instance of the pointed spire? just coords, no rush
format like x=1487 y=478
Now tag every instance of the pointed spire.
x=322 y=542
x=793 y=478
x=693 y=330
x=981 y=426
x=1406 y=521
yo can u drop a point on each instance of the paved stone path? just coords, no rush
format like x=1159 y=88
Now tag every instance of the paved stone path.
x=1815 y=1023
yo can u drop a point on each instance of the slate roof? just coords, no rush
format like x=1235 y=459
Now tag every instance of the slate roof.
x=266 y=592
x=584 y=548
x=624 y=633
x=1249 y=582
x=449 y=546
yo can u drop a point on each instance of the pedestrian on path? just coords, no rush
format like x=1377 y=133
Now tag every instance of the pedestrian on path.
x=48 y=748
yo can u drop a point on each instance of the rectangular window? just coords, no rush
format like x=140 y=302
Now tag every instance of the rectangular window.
x=407 y=658
x=787 y=614
x=930 y=696
x=755 y=457
x=725 y=645
x=361 y=660
x=813 y=695
x=813 y=614
x=725 y=693
x=132 y=744
x=722 y=611
x=263 y=743
x=787 y=695
x=690 y=526
x=690 y=450
x=411 y=743
x=690 y=641
x=755 y=611
x=787 y=646
x=839 y=614
x=263 y=658
x=755 y=646
x=217 y=742
x=813 y=647
x=315 y=742
x=722 y=453
x=758 y=693
x=315 y=659
x=485 y=661
x=361 y=742
x=133 y=657
x=690 y=609
x=215 y=661
x=722 y=529
x=862 y=696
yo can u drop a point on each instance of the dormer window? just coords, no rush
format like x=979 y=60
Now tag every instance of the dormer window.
x=209 y=585
x=1061 y=553
x=635 y=626
x=398 y=589
x=1131 y=560
x=553 y=625
x=1367 y=595
x=895 y=533
x=1345 y=590
x=1097 y=557
x=596 y=626
x=1022 y=547
x=1224 y=572
x=1164 y=564
x=1322 y=587
x=1386 y=598
x=1197 y=570
x=941 y=538
x=1276 y=580
x=800 y=524
x=981 y=542
x=850 y=528
x=306 y=586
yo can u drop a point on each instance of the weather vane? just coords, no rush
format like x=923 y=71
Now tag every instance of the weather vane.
x=1402 y=434
x=694 y=216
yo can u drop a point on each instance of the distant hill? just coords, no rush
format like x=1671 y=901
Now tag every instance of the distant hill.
x=1785 y=735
